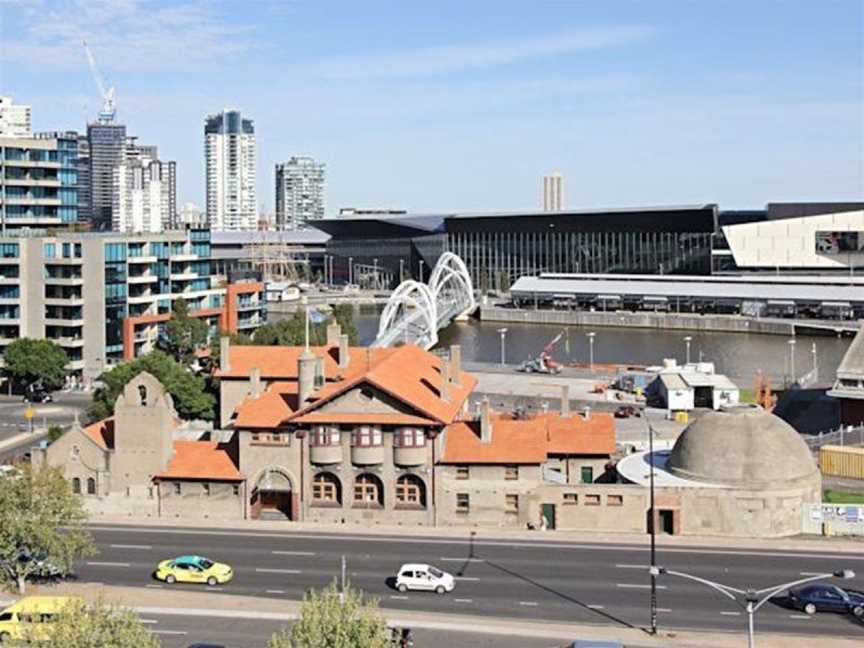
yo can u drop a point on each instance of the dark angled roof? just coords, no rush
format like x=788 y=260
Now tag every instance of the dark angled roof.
x=852 y=365
x=378 y=227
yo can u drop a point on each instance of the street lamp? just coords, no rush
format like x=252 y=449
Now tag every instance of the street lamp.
x=687 y=340
x=754 y=599
x=350 y=270
x=652 y=525
x=421 y=270
x=591 y=349
x=502 y=332
x=401 y=269
x=792 y=359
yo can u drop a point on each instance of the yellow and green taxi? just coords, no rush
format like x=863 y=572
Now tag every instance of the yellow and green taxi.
x=193 y=569
x=30 y=619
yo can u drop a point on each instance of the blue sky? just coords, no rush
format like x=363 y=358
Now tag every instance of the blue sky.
x=444 y=105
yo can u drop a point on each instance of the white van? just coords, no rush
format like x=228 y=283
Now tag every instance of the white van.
x=415 y=576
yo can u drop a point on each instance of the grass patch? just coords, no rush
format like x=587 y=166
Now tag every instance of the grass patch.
x=842 y=497
x=747 y=396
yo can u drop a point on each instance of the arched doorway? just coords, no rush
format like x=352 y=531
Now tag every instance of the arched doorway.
x=273 y=496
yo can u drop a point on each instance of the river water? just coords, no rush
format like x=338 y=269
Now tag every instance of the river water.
x=737 y=355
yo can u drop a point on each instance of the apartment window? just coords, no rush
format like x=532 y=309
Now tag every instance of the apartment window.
x=462 y=472
x=368 y=490
x=571 y=498
x=511 y=472
x=49 y=250
x=366 y=436
x=592 y=500
x=410 y=438
x=325 y=489
x=615 y=500
x=205 y=489
x=587 y=475
x=410 y=491
x=463 y=503
x=511 y=503
x=177 y=489
x=325 y=435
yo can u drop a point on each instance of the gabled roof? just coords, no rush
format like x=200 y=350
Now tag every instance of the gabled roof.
x=275 y=405
x=204 y=460
x=529 y=441
x=363 y=418
x=102 y=433
x=280 y=362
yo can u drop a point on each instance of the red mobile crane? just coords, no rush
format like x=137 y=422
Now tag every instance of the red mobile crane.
x=544 y=363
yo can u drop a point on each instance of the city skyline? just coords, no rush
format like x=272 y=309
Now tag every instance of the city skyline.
x=633 y=100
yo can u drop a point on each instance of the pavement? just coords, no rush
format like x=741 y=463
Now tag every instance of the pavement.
x=537 y=585
x=59 y=412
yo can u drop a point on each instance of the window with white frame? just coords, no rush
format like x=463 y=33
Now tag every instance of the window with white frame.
x=366 y=436
x=409 y=437
x=325 y=435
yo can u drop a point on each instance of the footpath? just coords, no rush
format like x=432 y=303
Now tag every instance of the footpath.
x=202 y=604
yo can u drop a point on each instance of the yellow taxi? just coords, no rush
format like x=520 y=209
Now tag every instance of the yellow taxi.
x=30 y=618
x=193 y=569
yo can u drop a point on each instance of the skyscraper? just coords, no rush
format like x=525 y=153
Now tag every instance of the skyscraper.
x=229 y=152
x=14 y=119
x=107 y=143
x=144 y=195
x=553 y=192
x=299 y=192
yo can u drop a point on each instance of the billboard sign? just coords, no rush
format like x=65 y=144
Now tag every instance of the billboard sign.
x=839 y=242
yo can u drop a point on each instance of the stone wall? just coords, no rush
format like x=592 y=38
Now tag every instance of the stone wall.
x=487 y=488
x=201 y=500
x=593 y=507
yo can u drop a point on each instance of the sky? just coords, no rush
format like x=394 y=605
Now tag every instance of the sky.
x=465 y=105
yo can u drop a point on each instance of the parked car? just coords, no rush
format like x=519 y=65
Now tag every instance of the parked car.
x=827 y=598
x=37 y=395
x=30 y=617
x=193 y=569
x=416 y=576
x=626 y=411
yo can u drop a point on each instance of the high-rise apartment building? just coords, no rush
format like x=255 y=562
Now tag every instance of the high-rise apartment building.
x=82 y=168
x=38 y=180
x=299 y=192
x=553 y=192
x=107 y=144
x=229 y=152
x=144 y=195
x=14 y=119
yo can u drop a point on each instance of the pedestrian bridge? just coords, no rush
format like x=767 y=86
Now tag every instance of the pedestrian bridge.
x=416 y=311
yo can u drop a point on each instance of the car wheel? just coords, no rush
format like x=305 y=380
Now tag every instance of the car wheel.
x=809 y=608
x=170 y=579
x=4 y=637
x=440 y=589
x=212 y=582
x=858 y=611
x=402 y=587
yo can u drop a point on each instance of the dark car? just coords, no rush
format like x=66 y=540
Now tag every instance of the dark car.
x=37 y=395
x=827 y=598
x=626 y=411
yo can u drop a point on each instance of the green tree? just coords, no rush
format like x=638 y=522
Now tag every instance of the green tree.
x=292 y=330
x=30 y=361
x=54 y=433
x=96 y=626
x=327 y=622
x=343 y=314
x=184 y=334
x=189 y=391
x=40 y=517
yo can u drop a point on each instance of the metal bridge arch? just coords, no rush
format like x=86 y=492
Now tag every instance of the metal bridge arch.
x=451 y=274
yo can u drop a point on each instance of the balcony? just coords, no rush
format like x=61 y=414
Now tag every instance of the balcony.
x=9 y=281
x=61 y=261
x=142 y=279
x=65 y=281
x=31 y=164
x=367 y=455
x=77 y=300
x=409 y=456
x=143 y=299
x=28 y=182
x=69 y=342
x=248 y=307
x=63 y=321
x=182 y=257
x=329 y=454
x=30 y=201
x=183 y=276
x=141 y=259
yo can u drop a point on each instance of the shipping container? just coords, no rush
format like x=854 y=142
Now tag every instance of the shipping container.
x=842 y=461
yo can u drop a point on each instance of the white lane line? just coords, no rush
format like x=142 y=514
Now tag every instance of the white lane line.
x=731 y=613
x=529 y=603
x=800 y=616
x=275 y=591
x=632 y=566
x=215 y=589
x=293 y=553
x=108 y=564
x=811 y=573
x=169 y=632
x=463 y=600
x=149 y=621
x=479 y=560
x=635 y=586
x=664 y=610
x=597 y=607
x=262 y=570
x=467 y=578
x=154 y=585
x=398 y=598
x=130 y=546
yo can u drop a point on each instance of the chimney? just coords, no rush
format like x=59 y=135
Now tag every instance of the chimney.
x=565 y=401
x=455 y=363
x=254 y=382
x=319 y=372
x=224 y=352
x=305 y=376
x=445 y=379
x=333 y=333
x=587 y=413
x=343 y=351
x=485 y=422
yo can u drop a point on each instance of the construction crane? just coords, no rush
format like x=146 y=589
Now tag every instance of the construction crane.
x=106 y=115
x=543 y=363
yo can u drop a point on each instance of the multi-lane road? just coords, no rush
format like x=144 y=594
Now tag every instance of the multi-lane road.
x=543 y=579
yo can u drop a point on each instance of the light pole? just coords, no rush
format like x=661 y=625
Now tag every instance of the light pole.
x=421 y=270
x=792 y=359
x=401 y=269
x=375 y=272
x=350 y=270
x=502 y=332
x=687 y=340
x=753 y=599
x=815 y=363
x=652 y=525
x=591 y=349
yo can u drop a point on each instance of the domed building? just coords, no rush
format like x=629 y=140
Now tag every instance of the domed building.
x=739 y=471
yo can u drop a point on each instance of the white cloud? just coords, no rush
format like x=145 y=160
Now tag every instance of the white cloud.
x=124 y=34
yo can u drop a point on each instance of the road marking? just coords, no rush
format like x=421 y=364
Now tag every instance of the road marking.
x=814 y=574
x=275 y=591
x=731 y=613
x=293 y=553
x=597 y=607
x=398 y=598
x=108 y=564
x=800 y=616
x=277 y=571
x=154 y=585
x=632 y=566
x=529 y=603
x=149 y=621
x=215 y=589
x=467 y=578
x=664 y=610
x=169 y=632
x=635 y=586
x=463 y=600
x=479 y=560
x=128 y=546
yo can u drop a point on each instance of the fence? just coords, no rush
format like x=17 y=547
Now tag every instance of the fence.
x=833 y=519
x=842 y=436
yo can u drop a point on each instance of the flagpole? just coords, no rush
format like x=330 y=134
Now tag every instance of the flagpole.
x=306 y=306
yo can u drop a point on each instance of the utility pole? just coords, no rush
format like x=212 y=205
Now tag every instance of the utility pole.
x=653 y=526
x=502 y=332
x=591 y=349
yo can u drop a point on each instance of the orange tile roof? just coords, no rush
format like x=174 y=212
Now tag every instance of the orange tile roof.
x=280 y=362
x=529 y=441
x=102 y=433
x=362 y=418
x=200 y=460
x=275 y=405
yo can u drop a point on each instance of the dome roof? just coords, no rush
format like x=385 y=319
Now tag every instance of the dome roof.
x=741 y=446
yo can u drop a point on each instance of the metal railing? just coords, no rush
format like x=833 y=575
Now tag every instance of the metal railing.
x=851 y=436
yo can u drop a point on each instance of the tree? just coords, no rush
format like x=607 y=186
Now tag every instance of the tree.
x=40 y=519
x=343 y=314
x=189 y=391
x=292 y=331
x=95 y=626
x=184 y=334
x=30 y=361
x=325 y=622
x=54 y=433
